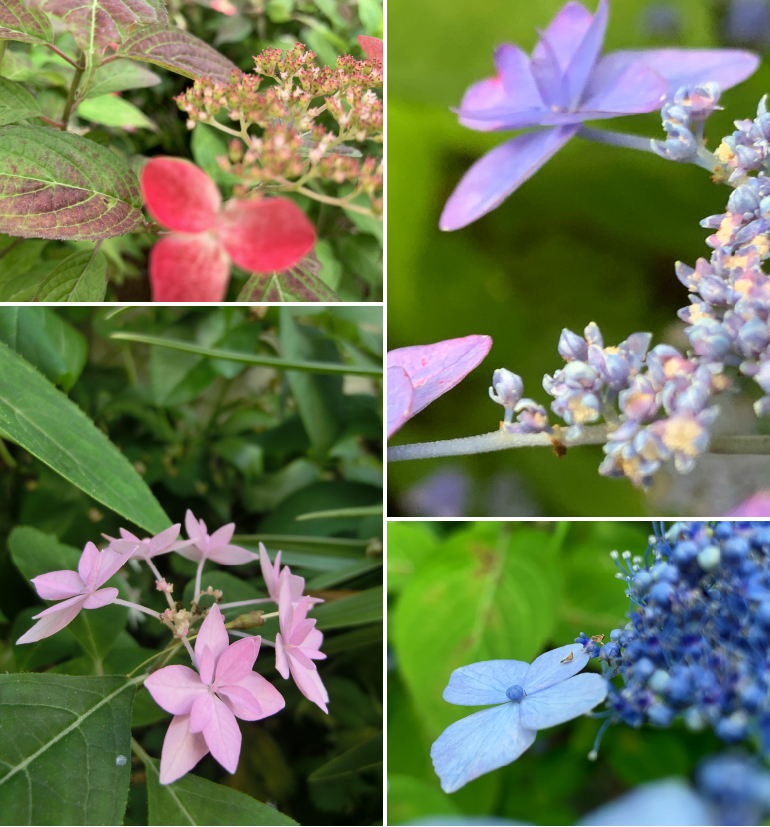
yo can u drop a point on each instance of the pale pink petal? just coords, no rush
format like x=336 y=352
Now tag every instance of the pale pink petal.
x=281 y=660
x=110 y=562
x=77 y=600
x=757 y=506
x=309 y=684
x=88 y=565
x=269 y=570
x=192 y=525
x=222 y=536
x=313 y=641
x=180 y=195
x=400 y=398
x=237 y=661
x=127 y=535
x=190 y=552
x=285 y=608
x=296 y=586
x=58 y=585
x=201 y=712
x=135 y=548
x=223 y=736
x=231 y=555
x=299 y=615
x=212 y=634
x=300 y=659
x=174 y=688
x=182 y=750
x=164 y=539
x=267 y=698
x=206 y=664
x=102 y=597
x=435 y=369
x=57 y=618
x=300 y=631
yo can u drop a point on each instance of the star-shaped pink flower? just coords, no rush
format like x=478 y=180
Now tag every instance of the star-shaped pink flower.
x=297 y=646
x=77 y=590
x=274 y=575
x=205 y=704
x=214 y=547
x=148 y=547
x=192 y=264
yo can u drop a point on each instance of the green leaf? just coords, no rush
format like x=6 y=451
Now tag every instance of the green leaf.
x=207 y=145
x=20 y=271
x=43 y=421
x=120 y=75
x=479 y=596
x=17 y=22
x=310 y=366
x=81 y=277
x=178 y=51
x=370 y=12
x=319 y=398
x=262 y=287
x=58 y=185
x=110 y=110
x=362 y=757
x=53 y=346
x=408 y=545
x=35 y=552
x=356 y=610
x=303 y=282
x=366 y=636
x=357 y=511
x=16 y=103
x=235 y=28
x=97 y=23
x=409 y=798
x=334 y=578
x=60 y=741
x=194 y=800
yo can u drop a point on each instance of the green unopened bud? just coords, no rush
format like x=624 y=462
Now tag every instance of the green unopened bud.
x=247 y=621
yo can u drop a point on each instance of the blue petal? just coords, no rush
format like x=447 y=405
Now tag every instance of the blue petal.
x=480 y=743
x=563 y=702
x=551 y=668
x=498 y=173
x=485 y=682
x=638 y=88
x=667 y=802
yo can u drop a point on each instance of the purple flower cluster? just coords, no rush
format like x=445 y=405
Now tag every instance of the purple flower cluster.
x=696 y=647
x=683 y=122
x=746 y=150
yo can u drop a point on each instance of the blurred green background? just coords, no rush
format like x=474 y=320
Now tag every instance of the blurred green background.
x=592 y=237
x=459 y=593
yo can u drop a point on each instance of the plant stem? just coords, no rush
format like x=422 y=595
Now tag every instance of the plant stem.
x=76 y=78
x=51 y=122
x=623 y=139
x=190 y=653
x=246 y=603
x=338 y=202
x=738 y=444
x=136 y=606
x=494 y=441
x=158 y=576
x=3 y=44
x=198 y=575
x=61 y=54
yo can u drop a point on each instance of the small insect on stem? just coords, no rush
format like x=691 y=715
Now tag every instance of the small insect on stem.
x=567 y=659
x=597 y=638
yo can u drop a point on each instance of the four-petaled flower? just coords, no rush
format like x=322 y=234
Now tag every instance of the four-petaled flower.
x=563 y=84
x=529 y=697
x=148 y=547
x=192 y=264
x=297 y=645
x=417 y=375
x=81 y=589
x=205 y=704
x=214 y=547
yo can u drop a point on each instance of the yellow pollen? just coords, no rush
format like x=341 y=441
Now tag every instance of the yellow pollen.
x=724 y=153
x=680 y=435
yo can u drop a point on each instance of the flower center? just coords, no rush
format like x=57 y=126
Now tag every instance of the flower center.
x=515 y=692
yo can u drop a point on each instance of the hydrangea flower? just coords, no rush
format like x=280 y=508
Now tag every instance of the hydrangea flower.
x=214 y=547
x=562 y=84
x=81 y=589
x=528 y=697
x=205 y=704
x=297 y=645
x=192 y=264
x=417 y=375
x=148 y=547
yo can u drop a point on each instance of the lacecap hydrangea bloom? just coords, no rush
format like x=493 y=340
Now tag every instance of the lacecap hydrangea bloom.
x=528 y=697
x=562 y=84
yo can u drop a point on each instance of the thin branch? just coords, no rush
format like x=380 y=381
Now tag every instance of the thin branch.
x=62 y=55
x=494 y=441
x=738 y=444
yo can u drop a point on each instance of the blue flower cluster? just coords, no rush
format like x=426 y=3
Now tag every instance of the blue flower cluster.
x=683 y=122
x=697 y=647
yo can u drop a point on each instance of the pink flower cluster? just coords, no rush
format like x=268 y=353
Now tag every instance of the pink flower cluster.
x=207 y=700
